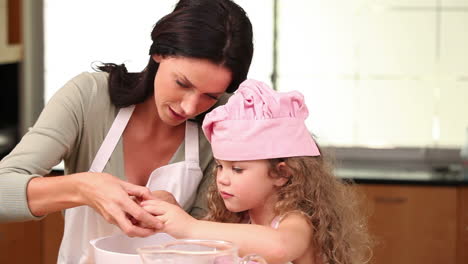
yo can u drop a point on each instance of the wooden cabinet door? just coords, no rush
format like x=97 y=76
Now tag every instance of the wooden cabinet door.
x=52 y=232
x=412 y=224
x=35 y=242
x=462 y=242
x=20 y=243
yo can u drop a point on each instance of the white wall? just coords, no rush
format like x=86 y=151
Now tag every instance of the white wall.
x=80 y=32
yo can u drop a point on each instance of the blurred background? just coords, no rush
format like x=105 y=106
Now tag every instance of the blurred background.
x=386 y=83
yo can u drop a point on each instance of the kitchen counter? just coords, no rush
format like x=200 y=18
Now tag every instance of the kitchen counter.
x=403 y=166
x=411 y=167
x=401 y=176
x=383 y=176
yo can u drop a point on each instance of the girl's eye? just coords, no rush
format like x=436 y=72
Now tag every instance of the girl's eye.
x=237 y=169
x=181 y=84
x=219 y=166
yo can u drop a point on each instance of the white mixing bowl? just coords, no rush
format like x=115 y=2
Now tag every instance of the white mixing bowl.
x=121 y=249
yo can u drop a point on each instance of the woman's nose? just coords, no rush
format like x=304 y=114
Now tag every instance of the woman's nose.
x=190 y=103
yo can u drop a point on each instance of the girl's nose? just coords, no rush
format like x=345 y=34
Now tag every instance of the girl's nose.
x=190 y=103
x=222 y=178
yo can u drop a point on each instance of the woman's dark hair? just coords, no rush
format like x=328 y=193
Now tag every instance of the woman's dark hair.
x=216 y=30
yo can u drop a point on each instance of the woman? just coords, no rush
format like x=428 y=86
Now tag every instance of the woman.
x=120 y=131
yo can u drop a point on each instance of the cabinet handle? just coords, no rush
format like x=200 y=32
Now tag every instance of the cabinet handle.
x=390 y=200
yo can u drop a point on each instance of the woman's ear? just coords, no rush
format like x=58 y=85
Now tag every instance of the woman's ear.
x=157 y=58
x=284 y=174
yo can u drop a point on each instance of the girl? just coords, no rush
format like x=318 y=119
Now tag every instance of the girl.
x=269 y=173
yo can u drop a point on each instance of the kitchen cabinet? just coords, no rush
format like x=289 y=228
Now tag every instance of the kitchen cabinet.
x=52 y=232
x=31 y=242
x=462 y=239
x=20 y=243
x=418 y=224
x=410 y=224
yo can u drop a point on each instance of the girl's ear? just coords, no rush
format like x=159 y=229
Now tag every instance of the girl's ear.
x=157 y=58
x=284 y=174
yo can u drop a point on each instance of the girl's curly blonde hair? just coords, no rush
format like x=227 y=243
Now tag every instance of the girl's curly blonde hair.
x=332 y=206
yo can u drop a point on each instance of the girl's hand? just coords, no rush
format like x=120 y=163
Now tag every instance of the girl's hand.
x=112 y=198
x=177 y=222
x=165 y=196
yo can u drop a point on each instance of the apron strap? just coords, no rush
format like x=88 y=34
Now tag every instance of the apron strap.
x=191 y=141
x=112 y=138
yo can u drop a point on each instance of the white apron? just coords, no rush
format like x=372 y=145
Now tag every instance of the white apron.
x=83 y=223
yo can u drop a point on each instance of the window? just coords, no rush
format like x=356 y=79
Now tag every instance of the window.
x=378 y=74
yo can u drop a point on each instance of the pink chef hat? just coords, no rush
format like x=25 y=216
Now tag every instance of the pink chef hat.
x=259 y=123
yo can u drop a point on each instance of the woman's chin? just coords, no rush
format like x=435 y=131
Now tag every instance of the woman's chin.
x=172 y=121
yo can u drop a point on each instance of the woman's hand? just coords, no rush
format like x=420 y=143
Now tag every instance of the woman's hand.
x=176 y=221
x=112 y=198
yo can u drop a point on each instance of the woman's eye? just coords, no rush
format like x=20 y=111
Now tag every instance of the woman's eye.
x=212 y=97
x=219 y=166
x=181 y=84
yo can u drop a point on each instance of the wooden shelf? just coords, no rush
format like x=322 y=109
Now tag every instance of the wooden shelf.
x=10 y=32
x=14 y=21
